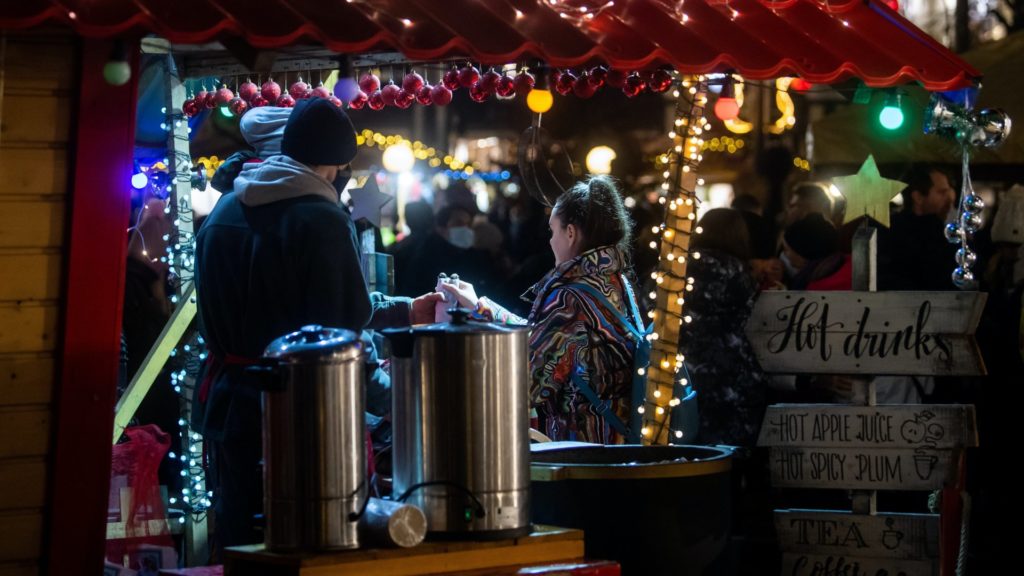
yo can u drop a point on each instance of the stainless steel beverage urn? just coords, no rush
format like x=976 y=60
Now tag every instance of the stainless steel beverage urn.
x=461 y=426
x=314 y=443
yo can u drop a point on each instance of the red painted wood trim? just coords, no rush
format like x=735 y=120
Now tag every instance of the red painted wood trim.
x=94 y=297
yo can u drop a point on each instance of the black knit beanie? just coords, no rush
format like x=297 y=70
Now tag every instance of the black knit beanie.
x=812 y=237
x=319 y=133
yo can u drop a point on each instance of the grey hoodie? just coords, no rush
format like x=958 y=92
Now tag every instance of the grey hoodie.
x=263 y=129
x=280 y=178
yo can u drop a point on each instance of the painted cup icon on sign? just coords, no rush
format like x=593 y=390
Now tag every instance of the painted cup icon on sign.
x=891 y=538
x=925 y=463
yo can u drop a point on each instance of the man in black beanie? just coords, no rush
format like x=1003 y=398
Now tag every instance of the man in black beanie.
x=278 y=254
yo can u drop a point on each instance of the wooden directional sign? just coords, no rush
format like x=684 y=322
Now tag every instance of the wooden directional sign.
x=836 y=533
x=878 y=333
x=861 y=469
x=815 y=565
x=942 y=426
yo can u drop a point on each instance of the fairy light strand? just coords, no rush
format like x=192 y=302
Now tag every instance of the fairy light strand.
x=672 y=285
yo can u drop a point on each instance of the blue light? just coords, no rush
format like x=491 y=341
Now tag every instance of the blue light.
x=505 y=175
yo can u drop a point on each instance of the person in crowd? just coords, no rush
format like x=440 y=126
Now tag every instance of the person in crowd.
x=723 y=369
x=920 y=258
x=409 y=251
x=808 y=198
x=585 y=319
x=277 y=254
x=810 y=253
x=262 y=128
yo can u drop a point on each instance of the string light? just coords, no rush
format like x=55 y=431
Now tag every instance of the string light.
x=680 y=164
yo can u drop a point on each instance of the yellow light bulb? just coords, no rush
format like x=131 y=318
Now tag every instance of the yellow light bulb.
x=645 y=431
x=657 y=393
x=539 y=101
x=641 y=371
x=640 y=410
x=660 y=410
x=665 y=364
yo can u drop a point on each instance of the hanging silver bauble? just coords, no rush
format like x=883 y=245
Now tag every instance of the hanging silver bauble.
x=974 y=204
x=971 y=223
x=966 y=257
x=990 y=127
x=953 y=233
x=963 y=278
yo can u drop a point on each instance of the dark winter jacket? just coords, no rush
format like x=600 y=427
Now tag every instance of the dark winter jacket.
x=730 y=383
x=274 y=256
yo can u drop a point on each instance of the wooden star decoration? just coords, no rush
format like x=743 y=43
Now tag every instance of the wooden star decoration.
x=368 y=201
x=867 y=193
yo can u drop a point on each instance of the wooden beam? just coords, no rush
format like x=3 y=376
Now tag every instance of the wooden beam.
x=155 y=361
x=90 y=352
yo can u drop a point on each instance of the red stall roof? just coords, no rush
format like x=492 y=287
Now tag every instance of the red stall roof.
x=821 y=41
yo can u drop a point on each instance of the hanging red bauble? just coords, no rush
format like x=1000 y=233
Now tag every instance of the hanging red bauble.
x=358 y=101
x=258 y=101
x=583 y=88
x=334 y=100
x=451 y=79
x=440 y=95
x=321 y=92
x=423 y=95
x=270 y=91
x=634 y=85
x=285 y=101
x=478 y=93
x=223 y=96
x=298 y=89
x=200 y=98
x=376 y=101
x=566 y=82
x=524 y=82
x=506 y=87
x=189 y=107
x=553 y=75
x=369 y=83
x=412 y=82
x=390 y=93
x=237 y=106
x=248 y=90
x=489 y=81
x=598 y=76
x=211 y=99
x=660 y=81
x=404 y=99
x=468 y=76
x=616 y=78
x=800 y=85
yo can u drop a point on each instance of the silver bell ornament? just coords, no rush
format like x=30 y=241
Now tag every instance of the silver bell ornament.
x=966 y=257
x=963 y=278
x=985 y=128
x=974 y=204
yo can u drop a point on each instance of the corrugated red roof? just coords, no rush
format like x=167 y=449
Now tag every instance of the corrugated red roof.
x=824 y=42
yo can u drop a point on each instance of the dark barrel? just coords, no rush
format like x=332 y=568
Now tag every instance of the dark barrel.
x=654 y=509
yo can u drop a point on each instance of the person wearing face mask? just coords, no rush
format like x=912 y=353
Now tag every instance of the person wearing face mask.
x=277 y=254
x=586 y=320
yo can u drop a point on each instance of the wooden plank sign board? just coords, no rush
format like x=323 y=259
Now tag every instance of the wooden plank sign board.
x=861 y=469
x=943 y=426
x=877 y=333
x=837 y=533
x=814 y=565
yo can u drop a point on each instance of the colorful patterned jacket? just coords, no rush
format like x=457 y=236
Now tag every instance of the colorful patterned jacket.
x=571 y=331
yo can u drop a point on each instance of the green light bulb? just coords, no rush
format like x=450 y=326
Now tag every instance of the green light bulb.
x=891 y=117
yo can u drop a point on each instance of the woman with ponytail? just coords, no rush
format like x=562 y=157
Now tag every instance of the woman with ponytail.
x=586 y=324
